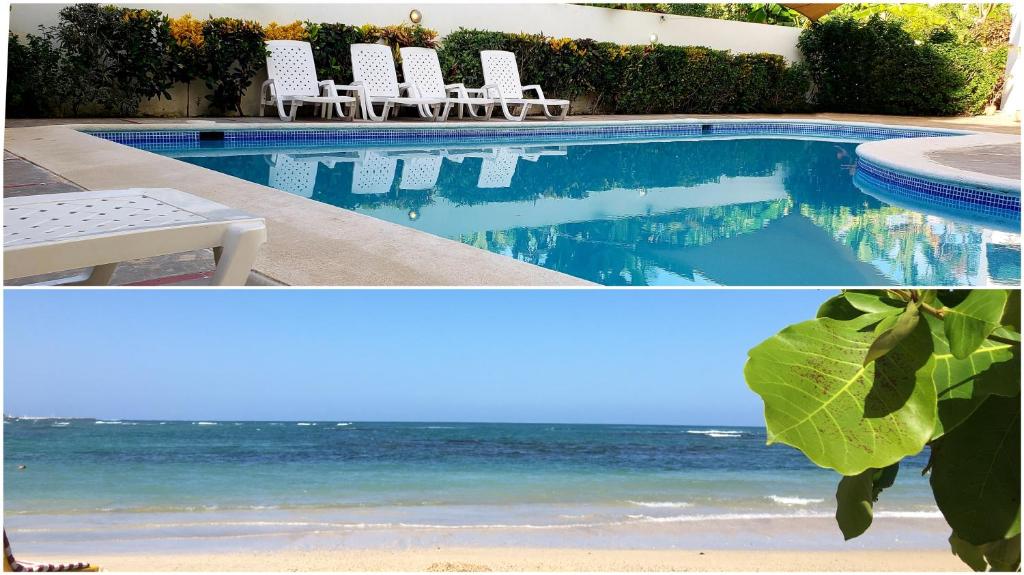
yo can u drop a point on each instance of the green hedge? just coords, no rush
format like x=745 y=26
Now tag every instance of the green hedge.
x=876 y=67
x=635 y=79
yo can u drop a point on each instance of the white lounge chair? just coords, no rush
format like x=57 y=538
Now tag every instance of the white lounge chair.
x=422 y=72
x=501 y=80
x=58 y=232
x=373 y=67
x=291 y=79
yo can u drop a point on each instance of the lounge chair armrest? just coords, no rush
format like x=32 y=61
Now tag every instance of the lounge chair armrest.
x=488 y=90
x=327 y=88
x=535 y=88
x=267 y=88
x=459 y=89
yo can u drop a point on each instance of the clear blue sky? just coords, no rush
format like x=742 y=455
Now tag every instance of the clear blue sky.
x=595 y=356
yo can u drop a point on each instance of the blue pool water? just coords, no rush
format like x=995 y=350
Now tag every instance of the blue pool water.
x=766 y=210
x=153 y=485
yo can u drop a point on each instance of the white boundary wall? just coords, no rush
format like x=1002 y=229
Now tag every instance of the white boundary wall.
x=558 y=20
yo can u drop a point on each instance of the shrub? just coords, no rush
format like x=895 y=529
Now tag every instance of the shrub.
x=33 y=77
x=877 y=67
x=331 y=44
x=110 y=58
x=232 y=53
x=294 y=31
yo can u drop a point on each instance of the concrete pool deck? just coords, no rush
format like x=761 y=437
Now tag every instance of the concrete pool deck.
x=311 y=243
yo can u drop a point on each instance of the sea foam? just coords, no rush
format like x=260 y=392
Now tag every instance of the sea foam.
x=783 y=500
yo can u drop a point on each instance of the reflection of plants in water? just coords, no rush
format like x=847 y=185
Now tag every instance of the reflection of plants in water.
x=923 y=250
x=606 y=251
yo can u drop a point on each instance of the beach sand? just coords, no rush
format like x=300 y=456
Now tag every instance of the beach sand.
x=526 y=559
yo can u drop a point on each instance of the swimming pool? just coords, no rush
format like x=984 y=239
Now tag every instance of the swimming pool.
x=752 y=205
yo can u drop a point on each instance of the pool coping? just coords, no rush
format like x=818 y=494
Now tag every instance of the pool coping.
x=362 y=250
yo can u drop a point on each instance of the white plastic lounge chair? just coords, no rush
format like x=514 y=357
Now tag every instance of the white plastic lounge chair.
x=293 y=175
x=373 y=67
x=58 y=232
x=420 y=172
x=374 y=173
x=422 y=72
x=501 y=80
x=291 y=79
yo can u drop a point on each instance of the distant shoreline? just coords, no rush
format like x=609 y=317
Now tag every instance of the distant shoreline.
x=534 y=559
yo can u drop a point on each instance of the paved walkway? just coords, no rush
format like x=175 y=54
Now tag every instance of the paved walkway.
x=23 y=178
x=1002 y=160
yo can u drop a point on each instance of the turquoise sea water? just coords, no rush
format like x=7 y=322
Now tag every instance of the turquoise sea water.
x=156 y=485
x=743 y=211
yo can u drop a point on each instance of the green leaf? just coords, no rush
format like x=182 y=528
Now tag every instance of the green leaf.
x=1002 y=555
x=890 y=338
x=821 y=399
x=837 y=307
x=1011 y=313
x=854 y=504
x=963 y=384
x=970 y=322
x=975 y=473
x=856 y=496
x=872 y=301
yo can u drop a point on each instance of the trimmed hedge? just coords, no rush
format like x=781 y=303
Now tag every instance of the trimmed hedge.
x=876 y=67
x=635 y=79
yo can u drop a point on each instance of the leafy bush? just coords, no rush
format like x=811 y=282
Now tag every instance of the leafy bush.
x=881 y=374
x=96 y=59
x=294 y=31
x=877 y=67
x=232 y=53
x=34 y=84
x=635 y=79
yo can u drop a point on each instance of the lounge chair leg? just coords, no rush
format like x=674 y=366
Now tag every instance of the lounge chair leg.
x=100 y=275
x=280 y=111
x=241 y=243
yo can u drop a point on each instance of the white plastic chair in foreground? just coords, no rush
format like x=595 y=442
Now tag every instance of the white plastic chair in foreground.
x=422 y=72
x=373 y=67
x=501 y=80
x=291 y=79
x=59 y=232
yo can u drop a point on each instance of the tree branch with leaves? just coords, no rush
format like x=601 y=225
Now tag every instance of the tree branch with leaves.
x=879 y=375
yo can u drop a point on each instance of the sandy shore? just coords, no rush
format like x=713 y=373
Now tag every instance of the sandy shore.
x=524 y=559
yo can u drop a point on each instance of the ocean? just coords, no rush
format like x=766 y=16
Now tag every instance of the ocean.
x=126 y=486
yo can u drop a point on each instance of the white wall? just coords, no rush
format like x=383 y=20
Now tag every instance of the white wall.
x=558 y=20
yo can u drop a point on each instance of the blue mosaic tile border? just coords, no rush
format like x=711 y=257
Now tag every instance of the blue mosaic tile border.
x=154 y=139
x=176 y=138
x=947 y=194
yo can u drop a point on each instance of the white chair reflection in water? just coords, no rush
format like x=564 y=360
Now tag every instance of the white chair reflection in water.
x=498 y=168
x=293 y=174
x=420 y=171
x=374 y=173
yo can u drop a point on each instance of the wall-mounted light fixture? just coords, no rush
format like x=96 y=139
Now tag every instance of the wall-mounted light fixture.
x=654 y=38
x=415 y=16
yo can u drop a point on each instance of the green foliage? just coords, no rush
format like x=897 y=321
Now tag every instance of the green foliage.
x=96 y=59
x=759 y=13
x=331 y=44
x=880 y=375
x=232 y=53
x=877 y=66
x=34 y=83
x=635 y=79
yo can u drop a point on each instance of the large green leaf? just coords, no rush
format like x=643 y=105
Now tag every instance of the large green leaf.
x=837 y=307
x=1002 y=555
x=1011 y=313
x=821 y=399
x=963 y=384
x=973 y=319
x=856 y=496
x=872 y=301
x=976 y=473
